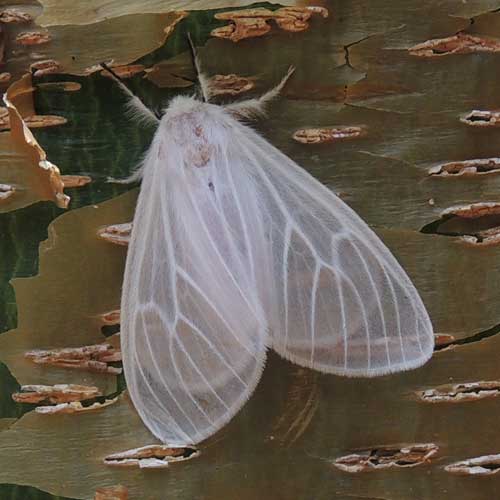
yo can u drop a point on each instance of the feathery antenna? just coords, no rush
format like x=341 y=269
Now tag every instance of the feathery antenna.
x=135 y=104
x=199 y=75
x=253 y=108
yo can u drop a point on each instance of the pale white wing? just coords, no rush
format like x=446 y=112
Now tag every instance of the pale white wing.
x=193 y=334
x=340 y=302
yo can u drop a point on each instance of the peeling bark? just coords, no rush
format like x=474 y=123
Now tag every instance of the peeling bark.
x=50 y=185
x=230 y=85
x=461 y=43
x=250 y=23
x=6 y=191
x=486 y=238
x=466 y=168
x=74 y=407
x=55 y=394
x=111 y=317
x=387 y=457
x=94 y=358
x=481 y=118
x=33 y=38
x=443 y=339
x=74 y=181
x=151 y=457
x=41 y=121
x=486 y=465
x=460 y=393
x=116 y=233
x=473 y=210
x=476 y=224
x=14 y=16
x=124 y=72
x=45 y=67
x=35 y=121
x=472 y=339
x=334 y=134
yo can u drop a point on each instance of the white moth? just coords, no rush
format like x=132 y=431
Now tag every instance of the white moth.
x=235 y=249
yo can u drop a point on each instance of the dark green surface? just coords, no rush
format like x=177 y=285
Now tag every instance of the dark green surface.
x=16 y=492
x=9 y=385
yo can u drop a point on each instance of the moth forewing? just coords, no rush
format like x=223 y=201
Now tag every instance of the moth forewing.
x=236 y=249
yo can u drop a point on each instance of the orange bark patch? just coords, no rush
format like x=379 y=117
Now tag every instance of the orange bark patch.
x=19 y=102
x=460 y=43
x=124 y=71
x=116 y=233
x=474 y=210
x=230 y=84
x=249 y=23
x=111 y=317
x=33 y=38
x=118 y=492
x=74 y=181
x=443 y=339
x=45 y=67
x=334 y=134
x=94 y=358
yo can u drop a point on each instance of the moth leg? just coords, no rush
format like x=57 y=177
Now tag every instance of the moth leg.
x=256 y=108
x=134 y=177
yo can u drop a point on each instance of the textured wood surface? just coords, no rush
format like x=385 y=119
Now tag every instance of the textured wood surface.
x=353 y=69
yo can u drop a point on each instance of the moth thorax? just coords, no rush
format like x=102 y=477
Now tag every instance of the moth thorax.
x=199 y=151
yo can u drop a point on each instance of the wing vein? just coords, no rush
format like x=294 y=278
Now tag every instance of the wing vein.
x=216 y=351
x=200 y=373
x=396 y=308
x=185 y=276
x=161 y=377
x=243 y=221
x=182 y=381
x=171 y=254
x=161 y=405
x=377 y=298
x=314 y=291
x=221 y=259
x=354 y=288
x=286 y=247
